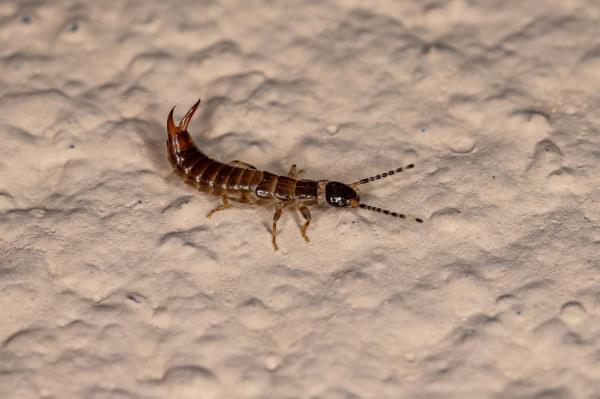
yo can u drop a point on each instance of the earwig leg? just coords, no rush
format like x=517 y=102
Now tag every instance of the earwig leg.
x=306 y=215
x=220 y=207
x=241 y=164
x=278 y=209
x=293 y=173
x=276 y=216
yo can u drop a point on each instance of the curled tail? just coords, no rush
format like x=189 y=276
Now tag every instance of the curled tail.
x=185 y=121
x=183 y=153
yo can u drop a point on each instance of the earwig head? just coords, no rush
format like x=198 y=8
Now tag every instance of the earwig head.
x=185 y=121
x=341 y=195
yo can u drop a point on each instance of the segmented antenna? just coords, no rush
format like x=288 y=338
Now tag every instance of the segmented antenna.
x=381 y=176
x=386 y=212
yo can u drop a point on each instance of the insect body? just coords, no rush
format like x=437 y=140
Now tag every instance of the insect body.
x=242 y=182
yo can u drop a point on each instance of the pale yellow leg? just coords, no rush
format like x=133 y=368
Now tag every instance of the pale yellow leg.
x=276 y=216
x=293 y=173
x=306 y=215
x=220 y=207
x=278 y=209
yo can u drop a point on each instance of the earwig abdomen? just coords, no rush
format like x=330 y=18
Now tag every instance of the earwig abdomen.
x=238 y=183
x=265 y=190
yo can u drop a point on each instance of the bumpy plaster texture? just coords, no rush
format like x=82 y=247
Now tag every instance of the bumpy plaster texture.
x=113 y=284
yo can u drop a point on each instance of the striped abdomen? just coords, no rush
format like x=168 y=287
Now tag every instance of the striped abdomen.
x=239 y=183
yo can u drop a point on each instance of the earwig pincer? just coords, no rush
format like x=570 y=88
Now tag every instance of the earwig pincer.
x=242 y=182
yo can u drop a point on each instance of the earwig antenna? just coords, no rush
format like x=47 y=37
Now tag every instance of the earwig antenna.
x=381 y=176
x=394 y=214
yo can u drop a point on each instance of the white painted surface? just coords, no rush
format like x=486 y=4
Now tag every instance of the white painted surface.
x=113 y=284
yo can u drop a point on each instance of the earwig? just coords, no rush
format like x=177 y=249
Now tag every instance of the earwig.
x=244 y=183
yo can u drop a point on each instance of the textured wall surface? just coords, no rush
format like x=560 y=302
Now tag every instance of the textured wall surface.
x=114 y=284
